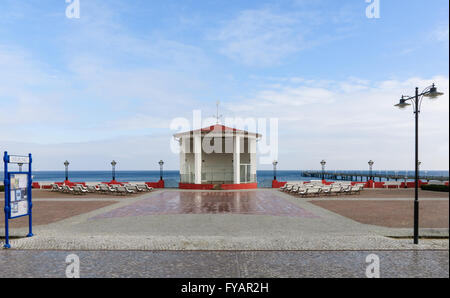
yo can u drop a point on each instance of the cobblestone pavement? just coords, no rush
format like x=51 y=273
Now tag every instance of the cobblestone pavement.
x=225 y=264
x=223 y=220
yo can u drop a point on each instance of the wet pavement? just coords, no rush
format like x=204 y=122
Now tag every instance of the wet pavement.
x=248 y=203
x=225 y=264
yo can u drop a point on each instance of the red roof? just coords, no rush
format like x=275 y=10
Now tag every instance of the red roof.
x=217 y=128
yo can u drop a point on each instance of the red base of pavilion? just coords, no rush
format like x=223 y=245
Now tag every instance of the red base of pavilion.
x=218 y=186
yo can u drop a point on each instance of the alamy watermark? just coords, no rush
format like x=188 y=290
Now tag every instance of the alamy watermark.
x=219 y=140
x=373 y=269
x=73 y=9
x=373 y=9
x=73 y=266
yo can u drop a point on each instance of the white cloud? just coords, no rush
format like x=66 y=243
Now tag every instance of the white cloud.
x=29 y=91
x=266 y=36
x=441 y=33
x=140 y=122
x=106 y=76
x=261 y=37
x=131 y=153
x=351 y=121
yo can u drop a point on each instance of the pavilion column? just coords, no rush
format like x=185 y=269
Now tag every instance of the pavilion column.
x=198 y=158
x=184 y=149
x=252 y=152
x=237 y=159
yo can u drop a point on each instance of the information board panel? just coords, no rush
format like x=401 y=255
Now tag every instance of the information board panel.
x=18 y=195
x=19 y=159
x=18 y=192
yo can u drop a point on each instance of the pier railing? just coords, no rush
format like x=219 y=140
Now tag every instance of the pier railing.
x=361 y=176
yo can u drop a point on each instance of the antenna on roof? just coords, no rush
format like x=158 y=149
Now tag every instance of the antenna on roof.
x=217 y=113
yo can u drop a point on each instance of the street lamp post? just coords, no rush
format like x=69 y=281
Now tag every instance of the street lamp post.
x=113 y=164
x=323 y=163
x=161 y=164
x=416 y=100
x=371 y=162
x=275 y=169
x=66 y=165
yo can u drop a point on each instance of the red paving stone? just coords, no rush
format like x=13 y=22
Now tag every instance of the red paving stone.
x=250 y=203
x=50 y=212
x=394 y=214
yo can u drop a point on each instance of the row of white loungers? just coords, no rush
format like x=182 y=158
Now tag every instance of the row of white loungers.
x=80 y=189
x=76 y=190
x=315 y=189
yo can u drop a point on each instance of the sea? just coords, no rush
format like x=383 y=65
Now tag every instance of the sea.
x=172 y=178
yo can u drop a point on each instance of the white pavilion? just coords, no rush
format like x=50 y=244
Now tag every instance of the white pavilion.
x=217 y=156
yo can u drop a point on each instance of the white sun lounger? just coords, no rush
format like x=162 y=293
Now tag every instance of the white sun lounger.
x=284 y=187
x=124 y=190
x=92 y=189
x=356 y=189
x=314 y=191
x=56 y=187
x=294 y=189
x=291 y=188
x=78 y=190
x=348 y=190
x=336 y=190
x=68 y=189
x=326 y=190
x=104 y=188
x=303 y=192
x=136 y=188
x=146 y=187
x=84 y=188
x=392 y=183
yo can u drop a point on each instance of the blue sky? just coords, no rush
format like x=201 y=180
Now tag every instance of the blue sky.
x=108 y=84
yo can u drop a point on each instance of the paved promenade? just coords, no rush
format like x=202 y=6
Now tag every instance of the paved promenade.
x=224 y=264
x=225 y=220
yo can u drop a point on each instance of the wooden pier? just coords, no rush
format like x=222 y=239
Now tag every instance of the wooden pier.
x=358 y=176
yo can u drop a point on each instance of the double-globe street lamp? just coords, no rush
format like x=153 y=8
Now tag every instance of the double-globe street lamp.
x=113 y=164
x=274 y=163
x=416 y=100
x=161 y=164
x=66 y=165
x=371 y=162
x=323 y=163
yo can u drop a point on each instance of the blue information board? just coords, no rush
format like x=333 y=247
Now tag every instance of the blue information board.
x=18 y=195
